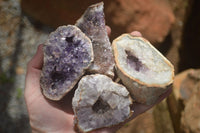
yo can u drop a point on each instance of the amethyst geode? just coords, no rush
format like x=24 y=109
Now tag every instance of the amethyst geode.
x=67 y=54
x=92 y=23
x=99 y=102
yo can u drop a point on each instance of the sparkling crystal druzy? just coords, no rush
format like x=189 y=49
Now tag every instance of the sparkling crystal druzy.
x=67 y=53
x=99 y=102
x=92 y=23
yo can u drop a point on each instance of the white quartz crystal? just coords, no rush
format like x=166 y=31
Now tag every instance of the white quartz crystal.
x=154 y=67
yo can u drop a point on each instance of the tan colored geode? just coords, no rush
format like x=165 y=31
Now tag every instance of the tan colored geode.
x=143 y=70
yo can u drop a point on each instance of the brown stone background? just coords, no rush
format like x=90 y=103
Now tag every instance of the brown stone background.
x=172 y=26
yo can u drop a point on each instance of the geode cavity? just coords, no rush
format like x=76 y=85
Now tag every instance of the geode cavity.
x=143 y=70
x=99 y=102
x=67 y=54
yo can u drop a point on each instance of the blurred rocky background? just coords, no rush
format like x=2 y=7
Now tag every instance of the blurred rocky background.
x=172 y=26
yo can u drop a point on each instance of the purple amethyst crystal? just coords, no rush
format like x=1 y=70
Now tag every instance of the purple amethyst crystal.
x=92 y=23
x=67 y=54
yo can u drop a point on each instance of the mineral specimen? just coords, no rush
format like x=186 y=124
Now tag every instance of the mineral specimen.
x=92 y=23
x=143 y=70
x=67 y=53
x=99 y=102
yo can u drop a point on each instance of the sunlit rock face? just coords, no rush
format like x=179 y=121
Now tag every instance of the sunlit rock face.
x=92 y=23
x=67 y=53
x=99 y=102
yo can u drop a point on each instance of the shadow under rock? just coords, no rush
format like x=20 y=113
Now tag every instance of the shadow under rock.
x=189 y=51
x=166 y=44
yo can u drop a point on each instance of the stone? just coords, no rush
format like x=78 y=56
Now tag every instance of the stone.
x=123 y=16
x=67 y=54
x=184 y=102
x=185 y=84
x=143 y=70
x=92 y=23
x=190 y=120
x=153 y=21
x=54 y=13
x=99 y=102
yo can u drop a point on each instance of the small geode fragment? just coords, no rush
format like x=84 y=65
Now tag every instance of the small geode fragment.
x=99 y=102
x=143 y=70
x=67 y=53
x=92 y=23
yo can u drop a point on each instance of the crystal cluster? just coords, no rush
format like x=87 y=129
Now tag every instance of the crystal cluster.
x=92 y=23
x=67 y=53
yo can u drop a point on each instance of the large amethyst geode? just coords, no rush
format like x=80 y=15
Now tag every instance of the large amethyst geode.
x=67 y=54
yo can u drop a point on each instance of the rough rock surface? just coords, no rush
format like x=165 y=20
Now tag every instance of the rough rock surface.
x=67 y=53
x=185 y=84
x=92 y=23
x=143 y=70
x=46 y=11
x=184 y=103
x=190 y=120
x=99 y=102
x=153 y=21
